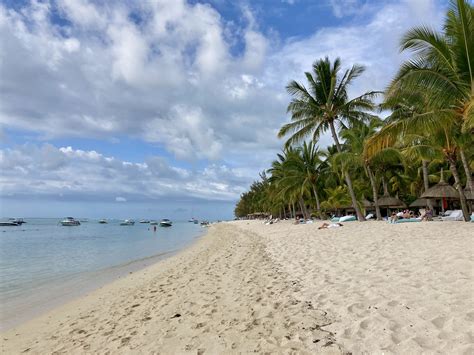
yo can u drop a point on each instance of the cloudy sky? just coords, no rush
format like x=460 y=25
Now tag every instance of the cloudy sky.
x=167 y=107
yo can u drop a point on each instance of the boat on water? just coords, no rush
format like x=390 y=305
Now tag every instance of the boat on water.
x=153 y=223
x=144 y=221
x=205 y=223
x=128 y=222
x=69 y=222
x=166 y=223
x=103 y=221
x=8 y=224
x=18 y=221
x=196 y=221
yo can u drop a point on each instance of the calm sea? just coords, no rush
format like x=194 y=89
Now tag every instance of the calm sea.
x=44 y=264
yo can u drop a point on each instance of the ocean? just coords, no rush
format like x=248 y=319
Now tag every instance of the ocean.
x=44 y=264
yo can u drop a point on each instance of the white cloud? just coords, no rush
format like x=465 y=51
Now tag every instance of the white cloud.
x=50 y=171
x=165 y=72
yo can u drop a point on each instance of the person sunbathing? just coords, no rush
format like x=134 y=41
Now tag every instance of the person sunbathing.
x=406 y=214
x=330 y=225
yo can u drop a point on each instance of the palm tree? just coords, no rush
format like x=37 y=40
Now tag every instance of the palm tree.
x=305 y=167
x=443 y=70
x=323 y=105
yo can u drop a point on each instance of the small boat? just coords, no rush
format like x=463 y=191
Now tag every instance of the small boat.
x=69 y=222
x=196 y=221
x=18 y=221
x=144 y=221
x=153 y=223
x=166 y=223
x=8 y=224
x=103 y=221
x=128 y=222
x=204 y=223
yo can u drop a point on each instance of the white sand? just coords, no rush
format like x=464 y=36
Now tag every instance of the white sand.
x=247 y=287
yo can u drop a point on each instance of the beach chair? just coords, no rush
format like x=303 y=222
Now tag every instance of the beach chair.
x=455 y=215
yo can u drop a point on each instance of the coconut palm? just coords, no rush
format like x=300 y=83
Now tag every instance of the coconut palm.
x=304 y=167
x=324 y=105
x=443 y=70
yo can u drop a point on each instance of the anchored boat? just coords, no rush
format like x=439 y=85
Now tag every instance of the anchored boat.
x=166 y=223
x=70 y=221
x=128 y=222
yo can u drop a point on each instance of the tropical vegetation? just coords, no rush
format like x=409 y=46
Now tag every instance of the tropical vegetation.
x=429 y=128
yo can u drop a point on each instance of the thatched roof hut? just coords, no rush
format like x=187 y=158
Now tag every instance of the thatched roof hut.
x=420 y=202
x=469 y=194
x=389 y=201
x=367 y=204
x=441 y=190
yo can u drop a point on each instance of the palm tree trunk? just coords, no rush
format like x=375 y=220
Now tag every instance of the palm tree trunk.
x=294 y=211
x=469 y=183
x=304 y=210
x=347 y=177
x=374 y=193
x=318 y=205
x=385 y=186
x=426 y=181
x=454 y=170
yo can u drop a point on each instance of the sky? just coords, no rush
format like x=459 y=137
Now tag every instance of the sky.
x=168 y=108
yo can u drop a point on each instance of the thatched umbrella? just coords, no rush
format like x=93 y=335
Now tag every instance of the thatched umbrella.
x=367 y=204
x=390 y=202
x=441 y=190
x=469 y=194
x=420 y=202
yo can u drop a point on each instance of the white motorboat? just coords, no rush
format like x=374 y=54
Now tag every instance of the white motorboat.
x=166 y=223
x=8 y=224
x=103 y=221
x=144 y=221
x=18 y=221
x=69 y=222
x=128 y=222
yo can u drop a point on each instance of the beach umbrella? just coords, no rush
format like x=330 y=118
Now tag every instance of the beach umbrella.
x=441 y=190
x=469 y=194
x=367 y=204
x=391 y=202
x=420 y=202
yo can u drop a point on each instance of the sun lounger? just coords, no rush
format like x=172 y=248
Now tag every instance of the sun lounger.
x=407 y=220
x=455 y=215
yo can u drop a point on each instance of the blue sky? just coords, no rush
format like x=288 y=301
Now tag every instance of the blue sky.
x=167 y=108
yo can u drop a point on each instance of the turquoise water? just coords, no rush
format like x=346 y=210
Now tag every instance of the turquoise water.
x=42 y=261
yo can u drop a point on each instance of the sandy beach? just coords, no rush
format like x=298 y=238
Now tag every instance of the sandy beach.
x=247 y=287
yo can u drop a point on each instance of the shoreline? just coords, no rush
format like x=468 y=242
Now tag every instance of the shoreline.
x=61 y=291
x=247 y=287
